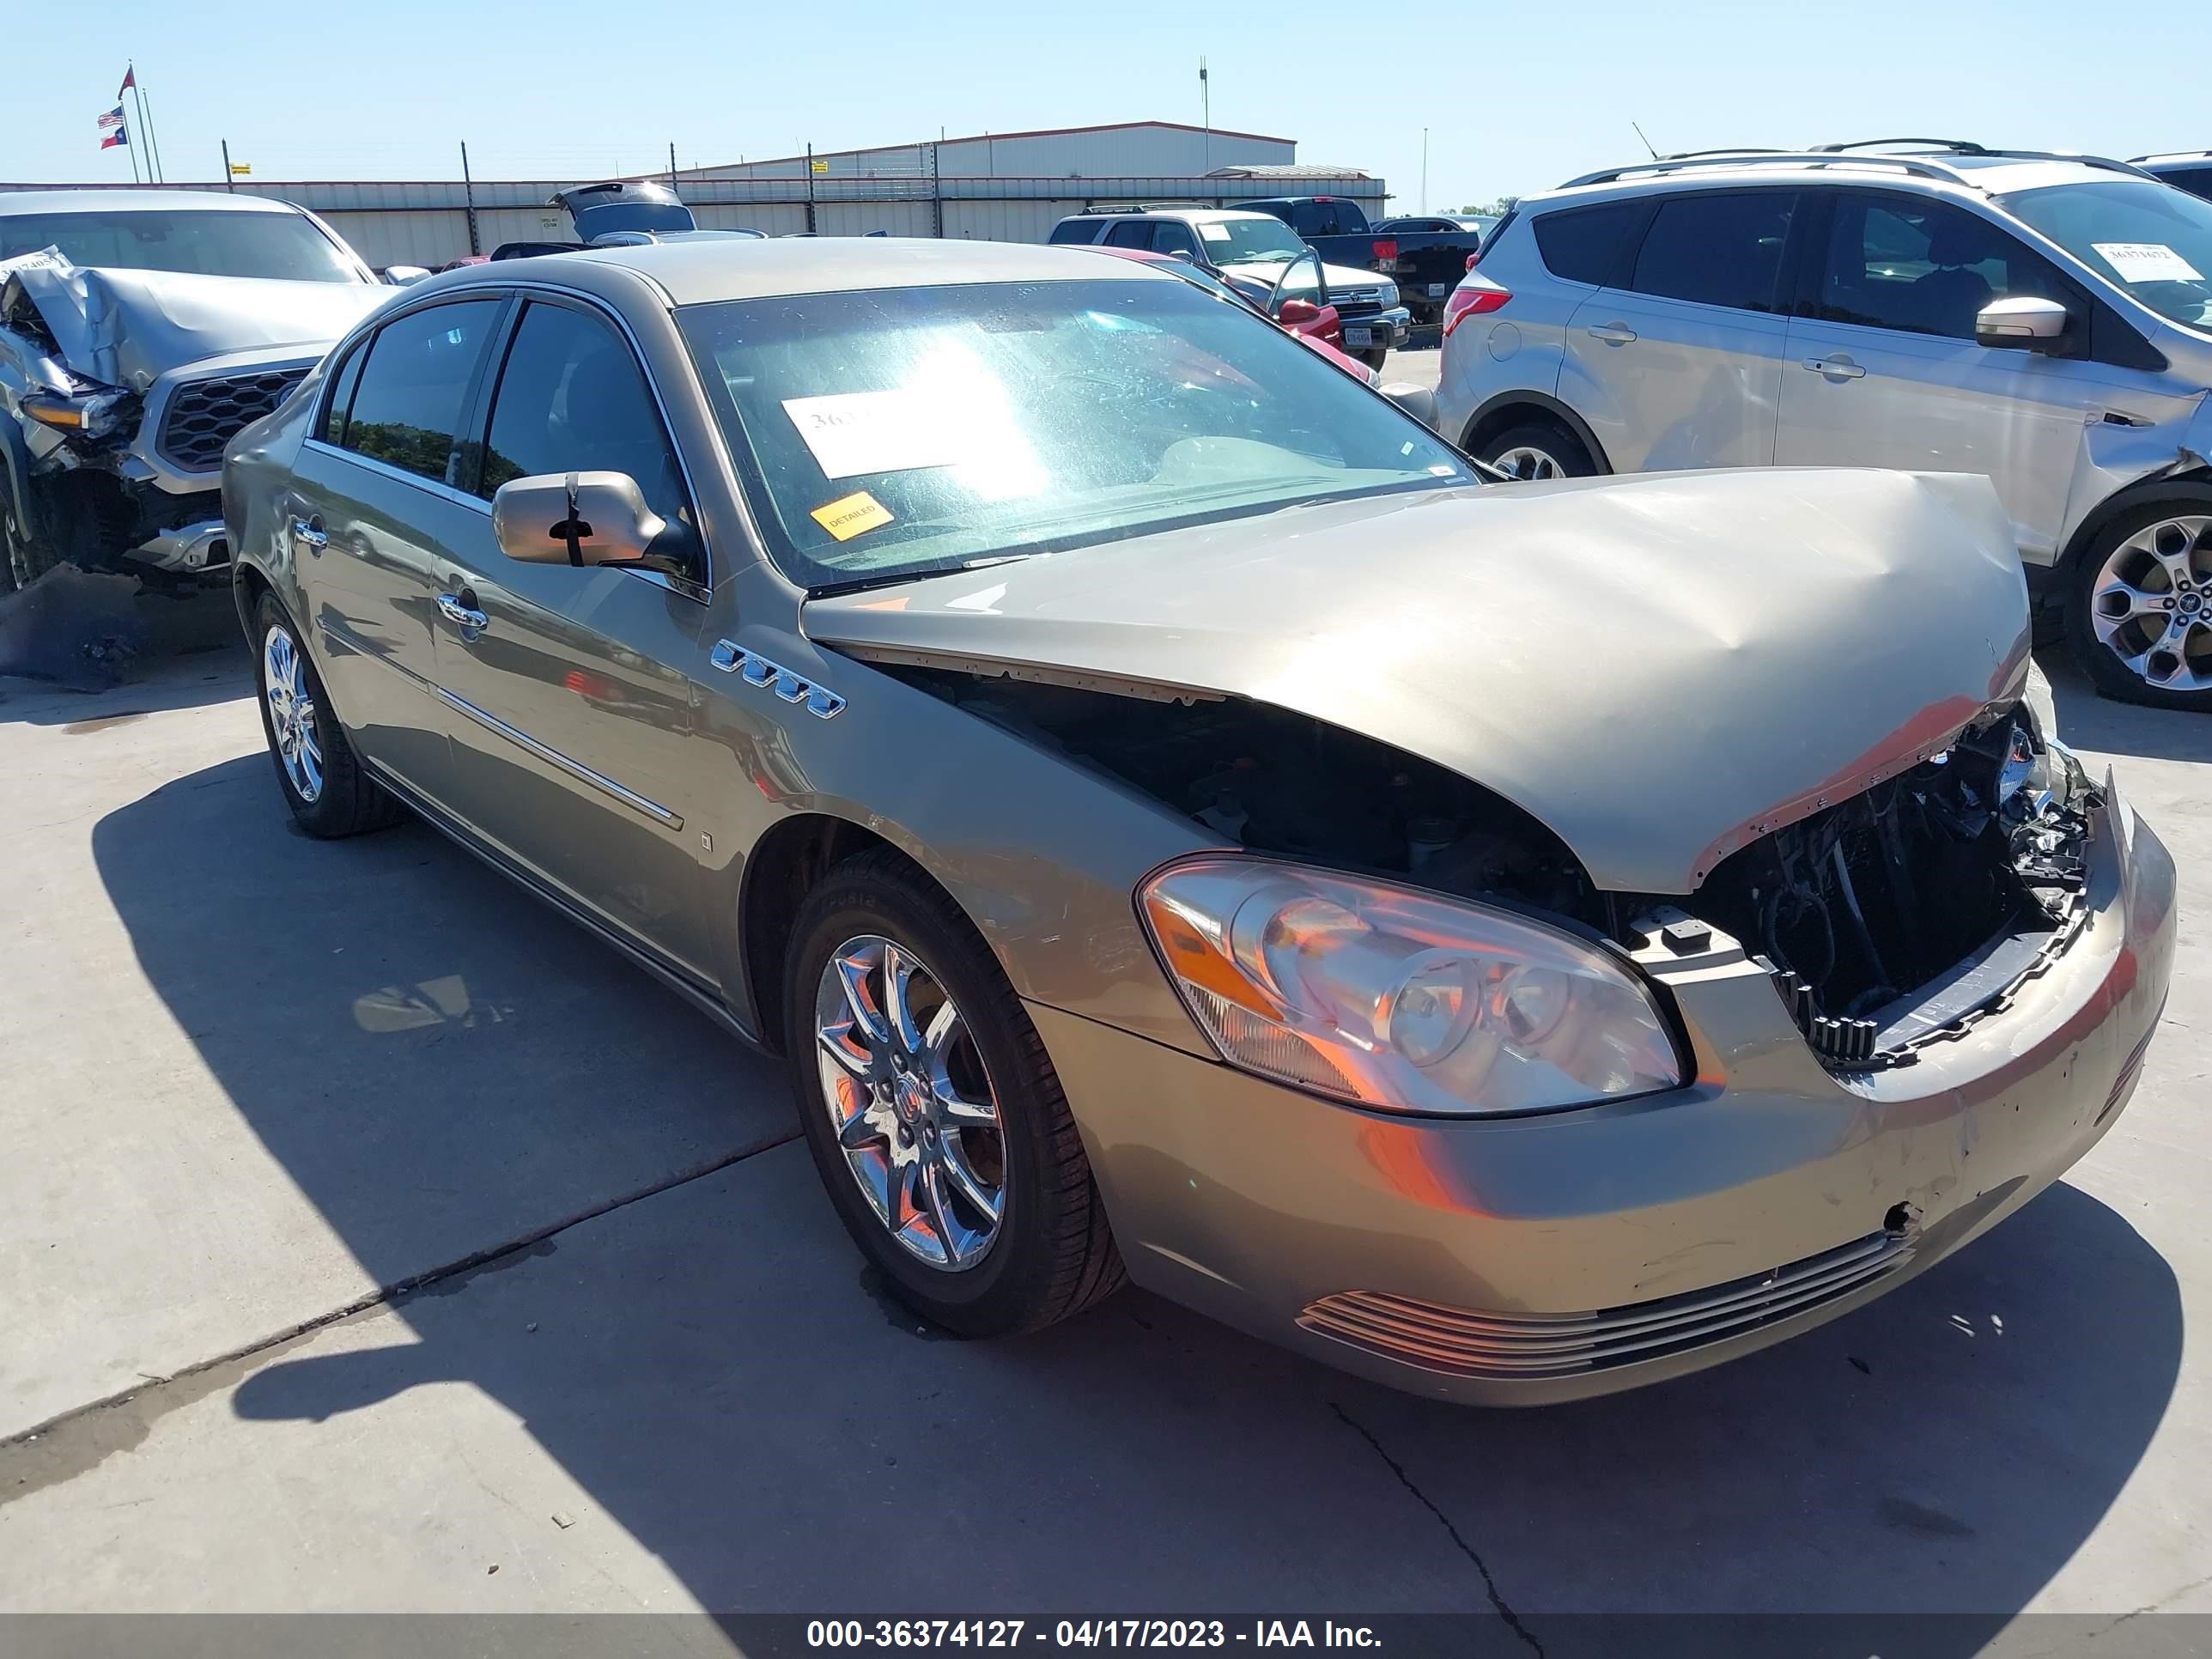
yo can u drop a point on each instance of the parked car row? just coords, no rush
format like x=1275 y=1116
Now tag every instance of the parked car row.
x=2043 y=320
x=1132 y=772
x=1254 y=253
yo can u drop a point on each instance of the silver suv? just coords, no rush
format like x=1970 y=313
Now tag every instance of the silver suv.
x=2046 y=320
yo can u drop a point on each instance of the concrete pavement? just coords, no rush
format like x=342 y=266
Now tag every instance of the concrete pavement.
x=251 y=1079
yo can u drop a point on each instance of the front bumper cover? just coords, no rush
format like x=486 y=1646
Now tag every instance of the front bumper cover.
x=1524 y=1261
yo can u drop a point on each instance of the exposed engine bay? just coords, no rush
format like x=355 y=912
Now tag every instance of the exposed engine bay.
x=1884 y=917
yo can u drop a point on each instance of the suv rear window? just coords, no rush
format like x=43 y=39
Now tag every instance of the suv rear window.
x=1074 y=230
x=1719 y=250
x=1585 y=245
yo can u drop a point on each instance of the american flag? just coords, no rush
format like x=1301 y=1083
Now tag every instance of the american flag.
x=113 y=118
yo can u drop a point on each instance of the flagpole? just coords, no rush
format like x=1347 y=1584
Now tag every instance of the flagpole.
x=153 y=143
x=138 y=93
x=133 y=149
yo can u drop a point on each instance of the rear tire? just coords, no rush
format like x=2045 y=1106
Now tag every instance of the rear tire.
x=1535 y=450
x=322 y=780
x=907 y=1135
x=2139 y=606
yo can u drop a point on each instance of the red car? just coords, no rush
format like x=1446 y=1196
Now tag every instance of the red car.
x=1299 y=305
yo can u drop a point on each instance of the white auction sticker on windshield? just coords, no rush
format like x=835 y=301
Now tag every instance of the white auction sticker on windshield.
x=2148 y=262
x=852 y=433
x=1213 y=233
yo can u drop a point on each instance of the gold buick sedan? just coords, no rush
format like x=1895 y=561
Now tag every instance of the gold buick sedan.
x=1179 y=824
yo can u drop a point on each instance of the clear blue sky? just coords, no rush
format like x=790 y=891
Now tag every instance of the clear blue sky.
x=1515 y=98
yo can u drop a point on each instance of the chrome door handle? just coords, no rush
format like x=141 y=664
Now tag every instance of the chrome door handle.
x=1610 y=333
x=1837 y=368
x=310 y=532
x=462 y=615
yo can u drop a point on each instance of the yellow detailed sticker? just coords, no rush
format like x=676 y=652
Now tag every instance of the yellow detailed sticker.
x=850 y=517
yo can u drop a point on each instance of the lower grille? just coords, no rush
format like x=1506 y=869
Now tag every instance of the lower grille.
x=204 y=415
x=1535 y=1345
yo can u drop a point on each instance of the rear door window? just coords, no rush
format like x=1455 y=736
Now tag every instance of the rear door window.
x=1589 y=245
x=1316 y=219
x=1073 y=230
x=1130 y=233
x=414 y=388
x=1724 y=249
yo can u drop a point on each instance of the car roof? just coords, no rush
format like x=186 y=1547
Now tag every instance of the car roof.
x=690 y=273
x=15 y=201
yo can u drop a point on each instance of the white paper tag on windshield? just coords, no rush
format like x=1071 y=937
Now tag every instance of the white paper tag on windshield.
x=2148 y=262
x=1213 y=233
x=852 y=433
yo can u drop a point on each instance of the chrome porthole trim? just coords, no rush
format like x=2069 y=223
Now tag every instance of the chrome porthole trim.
x=755 y=669
x=291 y=705
x=908 y=1103
x=2150 y=604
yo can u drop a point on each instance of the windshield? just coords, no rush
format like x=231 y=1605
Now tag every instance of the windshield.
x=194 y=241
x=1258 y=242
x=2152 y=240
x=901 y=432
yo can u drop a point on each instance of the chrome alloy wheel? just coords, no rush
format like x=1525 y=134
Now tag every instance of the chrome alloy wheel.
x=1525 y=463
x=292 y=714
x=2151 y=604
x=907 y=1099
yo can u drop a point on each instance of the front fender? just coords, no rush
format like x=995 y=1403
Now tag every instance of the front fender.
x=2114 y=457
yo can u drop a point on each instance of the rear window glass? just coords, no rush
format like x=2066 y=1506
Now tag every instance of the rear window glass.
x=1720 y=250
x=1585 y=245
x=408 y=404
x=1074 y=230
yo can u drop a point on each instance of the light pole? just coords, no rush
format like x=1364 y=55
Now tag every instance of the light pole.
x=1424 y=169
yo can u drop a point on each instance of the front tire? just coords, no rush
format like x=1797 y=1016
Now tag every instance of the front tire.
x=324 y=783
x=934 y=1115
x=2139 y=609
x=23 y=560
x=1536 y=450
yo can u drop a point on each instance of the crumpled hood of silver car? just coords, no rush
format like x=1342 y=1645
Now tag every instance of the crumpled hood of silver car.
x=127 y=328
x=1661 y=668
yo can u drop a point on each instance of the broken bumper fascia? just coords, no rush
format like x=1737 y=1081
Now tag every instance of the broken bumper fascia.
x=1255 y=1203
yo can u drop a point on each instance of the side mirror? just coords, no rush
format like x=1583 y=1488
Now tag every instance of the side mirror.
x=1418 y=401
x=2022 y=322
x=574 y=518
x=406 y=276
x=1292 y=312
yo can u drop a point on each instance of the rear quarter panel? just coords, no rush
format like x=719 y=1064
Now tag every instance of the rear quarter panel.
x=1521 y=348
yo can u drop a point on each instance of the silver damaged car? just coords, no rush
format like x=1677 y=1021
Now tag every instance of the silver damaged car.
x=1178 y=824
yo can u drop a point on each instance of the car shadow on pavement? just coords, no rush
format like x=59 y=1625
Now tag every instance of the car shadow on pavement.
x=715 y=1367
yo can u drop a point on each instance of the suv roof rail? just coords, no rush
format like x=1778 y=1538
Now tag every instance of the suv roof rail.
x=1138 y=207
x=1953 y=146
x=1837 y=155
x=1706 y=161
x=2172 y=155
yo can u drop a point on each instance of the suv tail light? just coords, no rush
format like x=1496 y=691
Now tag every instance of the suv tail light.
x=1474 y=296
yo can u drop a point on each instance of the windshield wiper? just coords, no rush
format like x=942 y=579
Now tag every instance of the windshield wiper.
x=892 y=578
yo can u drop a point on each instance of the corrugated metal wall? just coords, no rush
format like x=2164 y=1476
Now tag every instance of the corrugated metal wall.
x=426 y=223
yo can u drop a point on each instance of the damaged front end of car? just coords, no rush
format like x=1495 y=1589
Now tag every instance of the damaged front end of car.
x=119 y=390
x=1897 y=917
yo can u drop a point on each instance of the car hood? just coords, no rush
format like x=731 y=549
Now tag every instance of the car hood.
x=1661 y=669
x=128 y=328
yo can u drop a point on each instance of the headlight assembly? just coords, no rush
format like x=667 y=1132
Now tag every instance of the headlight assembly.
x=1400 y=1000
